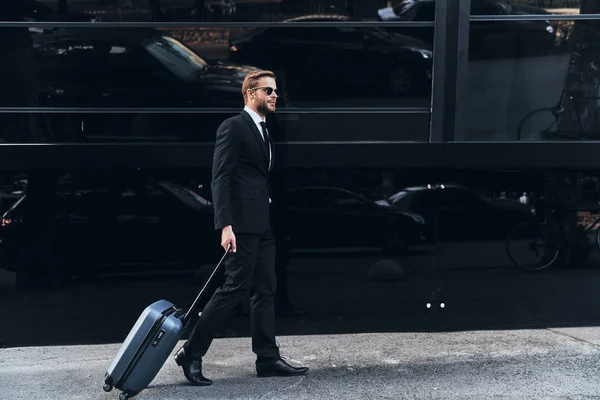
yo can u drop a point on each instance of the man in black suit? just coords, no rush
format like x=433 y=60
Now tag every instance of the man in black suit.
x=242 y=201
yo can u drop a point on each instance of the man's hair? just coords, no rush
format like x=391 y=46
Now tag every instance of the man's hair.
x=251 y=81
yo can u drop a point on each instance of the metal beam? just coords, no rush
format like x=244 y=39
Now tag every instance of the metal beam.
x=211 y=110
x=250 y=24
x=535 y=17
x=578 y=156
x=450 y=60
x=19 y=157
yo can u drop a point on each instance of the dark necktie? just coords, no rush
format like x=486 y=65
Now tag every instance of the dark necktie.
x=267 y=140
x=264 y=131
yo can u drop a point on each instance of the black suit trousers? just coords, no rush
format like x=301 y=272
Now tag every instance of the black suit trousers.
x=251 y=269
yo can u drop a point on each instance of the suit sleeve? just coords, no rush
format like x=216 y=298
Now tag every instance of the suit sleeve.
x=228 y=145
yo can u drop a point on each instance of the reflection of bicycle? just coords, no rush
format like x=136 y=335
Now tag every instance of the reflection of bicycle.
x=537 y=245
x=543 y=123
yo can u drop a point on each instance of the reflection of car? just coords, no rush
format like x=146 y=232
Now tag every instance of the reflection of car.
x=124 y=224
x=461 y=214
x=338 y=61
x=487 y=39
x=134 y=68
x=7 y=198
x=330 y=217
x=36 y=11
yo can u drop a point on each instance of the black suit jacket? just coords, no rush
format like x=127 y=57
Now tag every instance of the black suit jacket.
x=240 y=181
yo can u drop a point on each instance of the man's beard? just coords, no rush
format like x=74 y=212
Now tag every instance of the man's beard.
x=263 y=108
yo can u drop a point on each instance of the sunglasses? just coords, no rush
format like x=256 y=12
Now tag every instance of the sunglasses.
x=268 y=90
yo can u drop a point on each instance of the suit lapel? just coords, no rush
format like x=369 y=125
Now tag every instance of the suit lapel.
x=257 y=136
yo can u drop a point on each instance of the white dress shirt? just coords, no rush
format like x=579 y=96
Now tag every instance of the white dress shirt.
x=257 y=120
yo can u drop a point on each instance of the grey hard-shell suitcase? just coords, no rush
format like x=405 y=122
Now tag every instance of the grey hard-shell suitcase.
x=149 y=344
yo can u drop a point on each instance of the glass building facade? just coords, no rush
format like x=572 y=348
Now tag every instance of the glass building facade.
x=413 y=138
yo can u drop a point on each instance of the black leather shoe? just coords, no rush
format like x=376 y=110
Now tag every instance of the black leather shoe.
x=192 y=368
x=279 y=368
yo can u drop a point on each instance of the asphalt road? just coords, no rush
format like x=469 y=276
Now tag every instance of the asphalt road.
x=522 y=364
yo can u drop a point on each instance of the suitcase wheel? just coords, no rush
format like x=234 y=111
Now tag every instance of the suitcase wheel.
x=123 y=396
x=107 y=387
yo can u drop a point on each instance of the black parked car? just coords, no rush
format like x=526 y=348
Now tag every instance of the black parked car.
x=487 y=39
x=324 y=62
x=331 y=217
x=138 y=67
x=459 y=213
x=119 y=224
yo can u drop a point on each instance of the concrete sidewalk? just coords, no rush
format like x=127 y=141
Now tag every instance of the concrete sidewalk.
x=522 y=364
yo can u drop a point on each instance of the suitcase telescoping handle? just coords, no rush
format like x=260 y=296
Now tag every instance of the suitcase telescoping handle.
x=192 y=309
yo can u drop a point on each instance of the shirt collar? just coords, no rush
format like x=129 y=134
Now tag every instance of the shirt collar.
x=255 y=117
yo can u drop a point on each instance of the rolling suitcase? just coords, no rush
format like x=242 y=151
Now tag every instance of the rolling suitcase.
x=149 y=344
